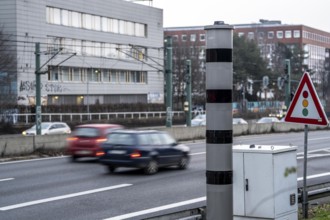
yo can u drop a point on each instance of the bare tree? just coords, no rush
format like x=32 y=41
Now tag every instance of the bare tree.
x=7 y=69
x=188 y=51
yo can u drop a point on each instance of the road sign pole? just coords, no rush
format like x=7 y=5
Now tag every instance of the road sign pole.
x=305 y=193
x=219 y=121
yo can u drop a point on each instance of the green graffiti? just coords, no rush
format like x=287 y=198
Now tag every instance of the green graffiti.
x=289 y=171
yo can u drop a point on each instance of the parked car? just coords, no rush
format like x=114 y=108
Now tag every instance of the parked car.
x=239 y=121
x=268 y=120
x=86 y=139
x=199 y=120
x=145 y=149
x=48 y=128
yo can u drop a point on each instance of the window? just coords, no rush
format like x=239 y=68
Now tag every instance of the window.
x=114 y=26
x=202 y=37
x=270 y=34
x=261 y=35
x=96 y=23
x=76 y=19
x=65 y=17
x=122 y=27
x=93 y=22
x=288 y=34
x=279 y=34
x=250 y=36
x=241 y=34
x=130 y=28
x=296 y=33
x=193 y=37
x=105 y=24
x=53 y=74
x=122 y=77
x=65 y=72
x=113 y=76
x=106 y=76
x=184 y=37
x=76 y=74
x=175 y=37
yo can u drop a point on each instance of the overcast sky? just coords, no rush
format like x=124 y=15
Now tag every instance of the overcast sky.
x=177 y=13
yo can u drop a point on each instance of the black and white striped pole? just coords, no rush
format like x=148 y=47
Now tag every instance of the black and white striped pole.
x=219 y=125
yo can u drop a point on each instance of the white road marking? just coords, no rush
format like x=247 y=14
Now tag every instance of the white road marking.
x=314 y=176
x=157 y=209
x=21 y=205
x=193 y=154
x=7 y=179
x=31 y=160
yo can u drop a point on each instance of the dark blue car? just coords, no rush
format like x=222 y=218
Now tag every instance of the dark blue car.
x=146 y=149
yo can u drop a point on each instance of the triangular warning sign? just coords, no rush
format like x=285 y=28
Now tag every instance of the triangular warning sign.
x=305 y=107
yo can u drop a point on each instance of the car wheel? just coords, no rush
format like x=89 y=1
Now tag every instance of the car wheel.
x=73 y=158
x=183 y=163
x=111 y=169
x=151 y=168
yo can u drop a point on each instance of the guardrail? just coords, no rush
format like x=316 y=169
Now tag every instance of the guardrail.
x=28 y=118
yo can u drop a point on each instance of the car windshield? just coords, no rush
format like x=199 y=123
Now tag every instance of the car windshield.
x=120 y=139
x=87 y=132
x=43 y=126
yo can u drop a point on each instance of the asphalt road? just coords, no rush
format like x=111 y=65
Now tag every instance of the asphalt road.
x=54 y=188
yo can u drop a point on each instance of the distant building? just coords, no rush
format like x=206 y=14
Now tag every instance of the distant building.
x=268 y=34
x=92 y=52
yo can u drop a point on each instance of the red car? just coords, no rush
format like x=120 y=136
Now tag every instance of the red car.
x=85 y=140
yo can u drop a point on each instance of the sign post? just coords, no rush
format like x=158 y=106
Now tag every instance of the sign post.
x=306 y=108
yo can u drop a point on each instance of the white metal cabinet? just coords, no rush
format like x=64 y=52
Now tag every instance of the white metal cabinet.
x=265 y=182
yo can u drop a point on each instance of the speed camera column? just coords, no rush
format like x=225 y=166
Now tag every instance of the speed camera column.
x=219 y=127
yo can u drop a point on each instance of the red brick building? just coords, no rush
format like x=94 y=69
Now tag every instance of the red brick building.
x=268 y=34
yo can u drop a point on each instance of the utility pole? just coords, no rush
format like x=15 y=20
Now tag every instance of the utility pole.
x=168 y=76
x=188 y=93
x=219 y=121
x=38 y=90
x=287 y=72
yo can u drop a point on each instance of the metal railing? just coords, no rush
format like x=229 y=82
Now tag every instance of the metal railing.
x=29 y=118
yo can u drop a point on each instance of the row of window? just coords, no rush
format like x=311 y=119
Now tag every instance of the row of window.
x=191 y=37
x=94 y=22
x=272 y=34
x=287 y=34
x=76 y=74
x=100 y=49
x=316 y=37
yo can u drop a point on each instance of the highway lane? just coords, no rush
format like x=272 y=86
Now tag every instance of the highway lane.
x=57 y=189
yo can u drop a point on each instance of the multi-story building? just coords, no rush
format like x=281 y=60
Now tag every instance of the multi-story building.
x=268 y=34
x=188 y=43
x=100 y=51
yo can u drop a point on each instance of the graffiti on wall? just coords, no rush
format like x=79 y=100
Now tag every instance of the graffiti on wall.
x=30 y=86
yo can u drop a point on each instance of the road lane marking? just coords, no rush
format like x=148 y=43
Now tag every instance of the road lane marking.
x=193 y=154
x=157 y=209
x=7 y=179
x=314 y=176
x=31 y=160
x=25 y=204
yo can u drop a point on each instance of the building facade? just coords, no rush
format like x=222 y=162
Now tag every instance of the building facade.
x=314 y=43
x=91 y=52
x=188 y=43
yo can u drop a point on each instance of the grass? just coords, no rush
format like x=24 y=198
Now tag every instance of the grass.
x=319 y=212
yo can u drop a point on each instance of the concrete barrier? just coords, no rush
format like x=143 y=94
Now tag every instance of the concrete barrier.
x=17 y=145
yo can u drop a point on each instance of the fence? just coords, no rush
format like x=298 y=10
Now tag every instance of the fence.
x=29 y=118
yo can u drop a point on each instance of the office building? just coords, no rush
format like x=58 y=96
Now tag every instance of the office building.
x=91 y=52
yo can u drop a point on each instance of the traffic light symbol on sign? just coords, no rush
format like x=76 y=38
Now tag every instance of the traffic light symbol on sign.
x=305 y=104
x=306 y=107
